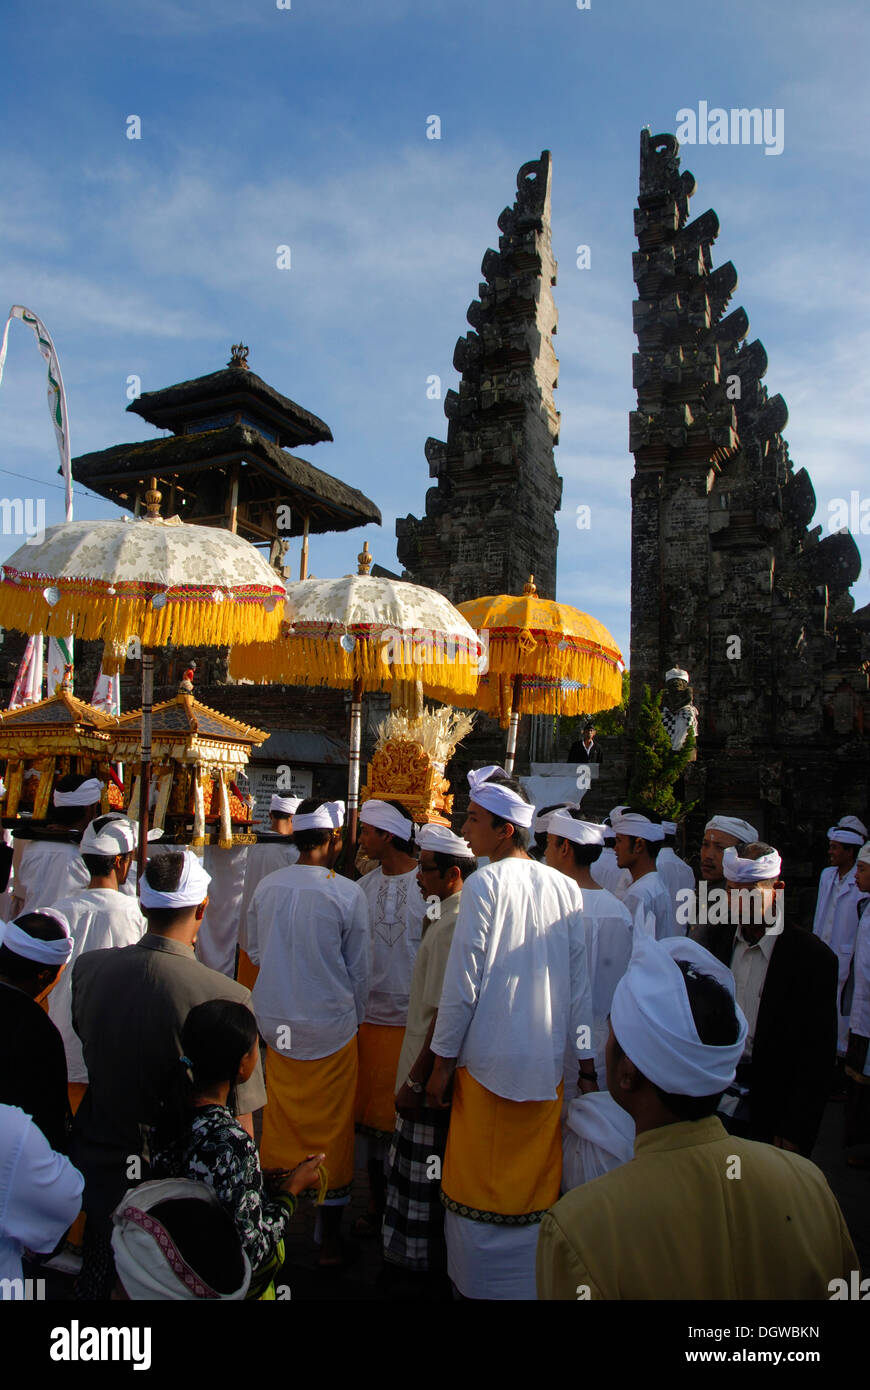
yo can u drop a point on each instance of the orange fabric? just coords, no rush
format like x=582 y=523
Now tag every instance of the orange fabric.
x=246 y=971
x=502 y=1155
x=76 y=1093
x=379 y=1048
x=309 y=1109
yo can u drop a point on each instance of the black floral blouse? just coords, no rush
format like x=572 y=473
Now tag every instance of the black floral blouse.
x=217 y=1151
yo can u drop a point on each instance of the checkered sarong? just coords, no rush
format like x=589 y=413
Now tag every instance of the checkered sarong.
x=414 y=1217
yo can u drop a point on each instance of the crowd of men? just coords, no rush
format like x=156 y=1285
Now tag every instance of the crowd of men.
x=544 y=1042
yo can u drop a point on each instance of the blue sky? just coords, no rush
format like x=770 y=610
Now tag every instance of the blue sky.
x=307 y=126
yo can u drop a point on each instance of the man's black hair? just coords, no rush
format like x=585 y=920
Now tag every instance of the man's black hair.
x=163 y=874
x=207 y=1240
x=306 y=840
x=540 y=847
x=18 y=969
x=522 y=834
x=99 y=865
x=584 y=855
x=652 y=846
x=716 y=1021
x=403 y=846
x=70 y=816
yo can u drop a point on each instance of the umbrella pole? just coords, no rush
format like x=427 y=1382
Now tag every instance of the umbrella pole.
x=145 y=757
x=513 y=727
x=353 y=775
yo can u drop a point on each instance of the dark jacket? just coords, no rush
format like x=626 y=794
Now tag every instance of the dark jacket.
x=578 y=754
x=795 y=1047
x=129 y=1004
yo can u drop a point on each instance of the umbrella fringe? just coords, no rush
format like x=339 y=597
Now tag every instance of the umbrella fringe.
x=323 y=661
x=92 y=614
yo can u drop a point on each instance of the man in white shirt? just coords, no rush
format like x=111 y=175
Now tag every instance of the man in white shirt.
x=639 y=837
x=40 y=1196
x=605 y=871
x=99 y=916
x=396 y=910
x=51 y=868
x=573 y=846
x=308 y=931
x=674 y=871
x=516 y=989
x=857 y=1002
x=836 y=917
x=274 y=850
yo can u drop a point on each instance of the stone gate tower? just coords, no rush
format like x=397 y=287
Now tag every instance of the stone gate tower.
x=490 y=519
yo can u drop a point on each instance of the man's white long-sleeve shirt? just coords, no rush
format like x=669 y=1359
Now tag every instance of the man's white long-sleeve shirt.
x=308 y=930
x=517 y=985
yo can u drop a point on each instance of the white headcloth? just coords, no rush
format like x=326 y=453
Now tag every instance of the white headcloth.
x=86 y=795
x=191 y=891
x=581 y=832
x=498 y=799
x=328 y=816
x=853 y=823
x=669 y=827
x=676 y=674
x=384 y=817
x=738 y=870
x=636 y=824
x=541 y=823
x=652 y=1019
x=21 y=943
x=149 y=1263
x=284 y=805
x=845 y=835
x=863 y=855
x=440 y=839
x=730 y=825
x=119 y=835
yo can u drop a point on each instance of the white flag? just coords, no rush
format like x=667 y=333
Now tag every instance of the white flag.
x=56 y=393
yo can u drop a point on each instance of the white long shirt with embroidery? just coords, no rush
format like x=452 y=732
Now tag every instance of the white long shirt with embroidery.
x=308 y=930
x=396 y=909
x=517 y=986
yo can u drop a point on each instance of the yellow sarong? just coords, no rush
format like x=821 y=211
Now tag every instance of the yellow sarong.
x=379 y=1048
x=309 y=1109
x=503 y=1157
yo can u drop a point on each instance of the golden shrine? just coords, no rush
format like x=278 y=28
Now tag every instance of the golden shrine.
x=196 y=758
x=409 y=762
x=42 y=742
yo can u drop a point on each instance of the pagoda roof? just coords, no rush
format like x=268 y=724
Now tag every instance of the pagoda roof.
x=232 y=387
x=186 y=717
x=63 y=710
x=330 y=504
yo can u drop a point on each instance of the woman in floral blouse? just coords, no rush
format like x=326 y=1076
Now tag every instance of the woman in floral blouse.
x=199 y=1137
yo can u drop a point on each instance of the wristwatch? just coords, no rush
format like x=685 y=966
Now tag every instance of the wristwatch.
x=416 y=1086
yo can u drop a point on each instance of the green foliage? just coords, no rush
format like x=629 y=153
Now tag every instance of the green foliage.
x=655 y=764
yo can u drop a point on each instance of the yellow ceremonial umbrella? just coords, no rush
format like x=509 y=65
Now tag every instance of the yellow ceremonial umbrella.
x=155 y=579
x=362 y=632
x=544 y=658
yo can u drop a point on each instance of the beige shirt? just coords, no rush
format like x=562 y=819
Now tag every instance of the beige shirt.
x=674 y=1223
x=749 y=962
x=426 y=983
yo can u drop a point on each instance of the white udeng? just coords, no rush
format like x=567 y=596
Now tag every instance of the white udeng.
x=517 y=986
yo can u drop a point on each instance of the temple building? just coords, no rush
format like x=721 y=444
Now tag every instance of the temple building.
x=729 y=581
x=227 y=462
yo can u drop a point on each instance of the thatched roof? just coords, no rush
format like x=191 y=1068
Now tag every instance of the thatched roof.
x=188 y=458
x=231 y=388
